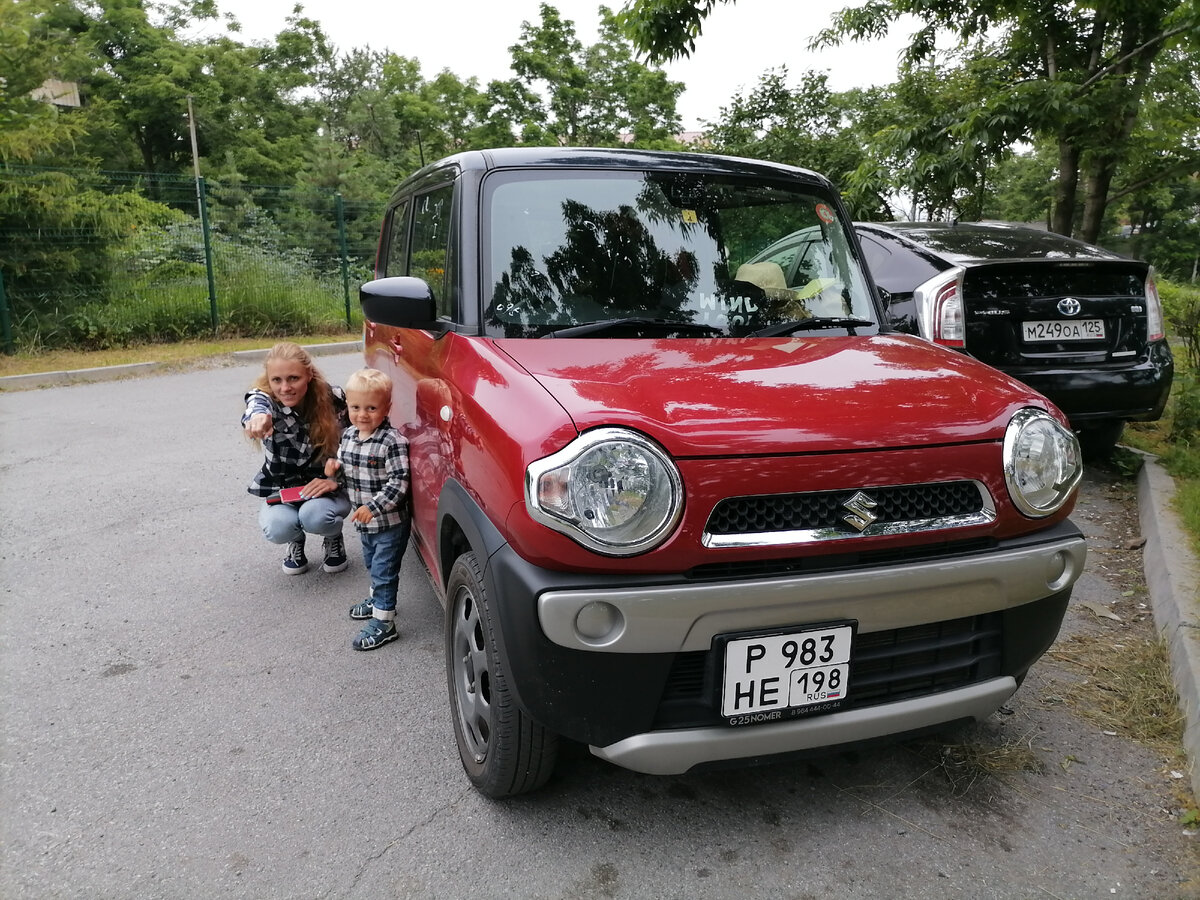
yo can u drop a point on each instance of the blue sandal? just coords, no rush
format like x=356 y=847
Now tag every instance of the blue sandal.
x=375 y=633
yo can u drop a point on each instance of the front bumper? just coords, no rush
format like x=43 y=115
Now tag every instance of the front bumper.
x=673 y=752
x=596 y=658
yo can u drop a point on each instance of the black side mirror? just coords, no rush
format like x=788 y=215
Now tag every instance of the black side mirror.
x=402 y=301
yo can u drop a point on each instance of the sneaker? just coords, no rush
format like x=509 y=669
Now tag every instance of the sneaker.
x=362 y=610
x=335 y=554
x=375 y=633
x=295 y=563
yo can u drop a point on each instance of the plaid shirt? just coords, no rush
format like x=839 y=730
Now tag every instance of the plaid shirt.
x=291 y=459
x=375 y=473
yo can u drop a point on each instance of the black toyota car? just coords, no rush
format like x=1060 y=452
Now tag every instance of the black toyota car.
x=1080 y=324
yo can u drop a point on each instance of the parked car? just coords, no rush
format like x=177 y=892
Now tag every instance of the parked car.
x=678 y=510
x=1082 y=325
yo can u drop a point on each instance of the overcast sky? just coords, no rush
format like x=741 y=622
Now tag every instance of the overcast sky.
x=472 y=37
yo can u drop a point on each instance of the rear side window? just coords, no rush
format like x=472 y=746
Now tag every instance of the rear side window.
x=894 y=265
x=429 y=249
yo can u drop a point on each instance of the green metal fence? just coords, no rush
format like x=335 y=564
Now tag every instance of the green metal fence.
x=100 y=259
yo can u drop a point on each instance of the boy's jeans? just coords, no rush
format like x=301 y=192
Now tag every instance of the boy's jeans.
x=382 y=552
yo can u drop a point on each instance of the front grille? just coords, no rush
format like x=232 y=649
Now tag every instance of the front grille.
x=817 y=510
x=885 y=666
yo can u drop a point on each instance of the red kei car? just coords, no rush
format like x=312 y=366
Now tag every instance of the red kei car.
x=679 y=509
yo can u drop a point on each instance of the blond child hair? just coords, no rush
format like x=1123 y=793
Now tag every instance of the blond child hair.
x=370 y=381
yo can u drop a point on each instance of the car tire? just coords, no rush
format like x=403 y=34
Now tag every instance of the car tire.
x=503 y=751
x=1097 y=440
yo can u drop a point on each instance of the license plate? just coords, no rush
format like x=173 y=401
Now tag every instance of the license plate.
x=768 y=675
x=1062 y=330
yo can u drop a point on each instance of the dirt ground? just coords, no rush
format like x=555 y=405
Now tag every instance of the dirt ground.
x=1120 y=759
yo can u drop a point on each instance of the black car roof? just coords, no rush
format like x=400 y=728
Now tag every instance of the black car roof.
x=964 y=243
x=618 y=158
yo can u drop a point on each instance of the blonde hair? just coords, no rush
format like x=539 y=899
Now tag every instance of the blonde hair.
x=316 y=408
x=370 y=381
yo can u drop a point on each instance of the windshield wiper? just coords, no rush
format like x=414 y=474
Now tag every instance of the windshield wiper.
x=633 y=323
x=849 y=323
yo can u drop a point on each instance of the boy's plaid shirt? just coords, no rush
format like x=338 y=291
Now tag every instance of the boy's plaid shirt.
x=375 y=473
x=291 y=460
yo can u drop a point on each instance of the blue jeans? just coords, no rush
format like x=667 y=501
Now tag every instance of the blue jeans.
x=282 y=523
x=382 y=552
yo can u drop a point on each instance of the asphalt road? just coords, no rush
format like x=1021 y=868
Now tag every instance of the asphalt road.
x=182 y=720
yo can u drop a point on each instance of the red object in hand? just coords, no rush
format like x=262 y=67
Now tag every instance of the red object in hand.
x=287 y=495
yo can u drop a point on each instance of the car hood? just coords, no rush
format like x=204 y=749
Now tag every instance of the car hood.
x=779 y=395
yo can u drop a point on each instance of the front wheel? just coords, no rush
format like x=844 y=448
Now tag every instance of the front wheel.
x=503 y=751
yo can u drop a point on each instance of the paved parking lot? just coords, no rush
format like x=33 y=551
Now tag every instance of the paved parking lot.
x=182 y=720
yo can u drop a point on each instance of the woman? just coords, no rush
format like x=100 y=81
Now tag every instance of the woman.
x=297 y=417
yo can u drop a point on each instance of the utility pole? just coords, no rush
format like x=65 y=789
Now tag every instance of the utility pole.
x=202 y=204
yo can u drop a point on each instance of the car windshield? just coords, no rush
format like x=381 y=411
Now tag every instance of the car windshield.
x=664 y=254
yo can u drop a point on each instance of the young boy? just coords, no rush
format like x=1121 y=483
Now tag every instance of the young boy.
x=372 y=462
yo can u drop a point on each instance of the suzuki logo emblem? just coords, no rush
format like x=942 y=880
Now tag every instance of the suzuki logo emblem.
x=860 y=506
x=1069 y=306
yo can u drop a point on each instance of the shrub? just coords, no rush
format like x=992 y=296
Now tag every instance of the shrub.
x=1181 y=305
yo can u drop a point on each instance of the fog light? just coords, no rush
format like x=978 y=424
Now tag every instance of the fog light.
x=1058 y=570
x=599 y=623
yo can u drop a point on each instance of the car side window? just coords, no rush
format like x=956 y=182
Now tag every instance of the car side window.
x=395 y=259
x=876 y=255
x=894 y=266
x=429 y=251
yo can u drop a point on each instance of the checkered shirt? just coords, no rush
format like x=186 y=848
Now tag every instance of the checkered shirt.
x=375 y=473
x=290 y=459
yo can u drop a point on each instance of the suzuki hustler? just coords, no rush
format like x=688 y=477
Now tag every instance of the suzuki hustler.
x=684 y=509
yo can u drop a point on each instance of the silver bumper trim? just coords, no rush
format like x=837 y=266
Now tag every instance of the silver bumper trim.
x=675 y=752
x=677 y=618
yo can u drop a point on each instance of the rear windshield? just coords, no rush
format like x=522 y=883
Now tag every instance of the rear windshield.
x=723 y=255
x=967 y=242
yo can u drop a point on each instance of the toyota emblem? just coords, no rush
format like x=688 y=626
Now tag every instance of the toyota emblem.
x=1069 y=306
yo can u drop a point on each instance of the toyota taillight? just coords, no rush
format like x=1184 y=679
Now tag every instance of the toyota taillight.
x=1154 y=313
x=939 y=304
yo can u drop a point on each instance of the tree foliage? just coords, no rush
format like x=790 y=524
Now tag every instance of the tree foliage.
x=1073 y=75
x=594 y=96
x=1085 y=115
x=32 y=51
x=1078 y=76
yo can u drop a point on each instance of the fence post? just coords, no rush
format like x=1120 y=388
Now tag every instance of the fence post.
x=345 y=251
x=6 y=320
x=202 y=201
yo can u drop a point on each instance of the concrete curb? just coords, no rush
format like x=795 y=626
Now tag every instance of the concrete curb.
x=76 y=376
x=111 y=373
x=313 y=350
x=1172 y=576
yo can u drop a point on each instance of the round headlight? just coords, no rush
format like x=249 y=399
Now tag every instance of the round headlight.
x=1041 y=462
x=614 y=491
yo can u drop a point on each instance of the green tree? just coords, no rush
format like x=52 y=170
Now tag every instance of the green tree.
x=807 y=126
x=593 y=96
x=926 y=143
x=32 y=51
x=1080 y=72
